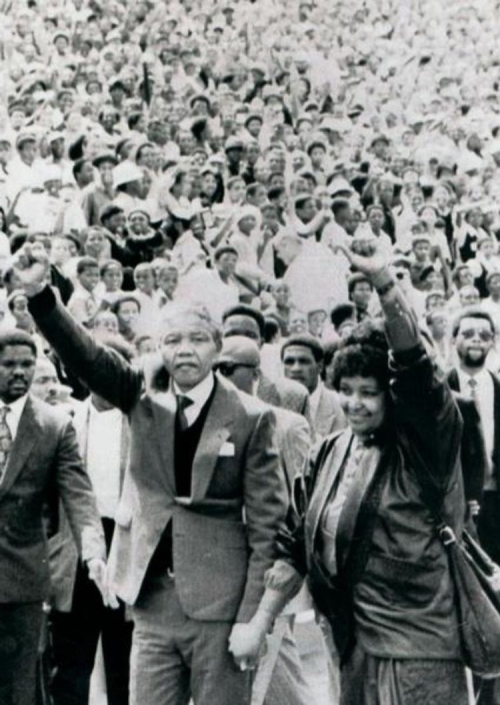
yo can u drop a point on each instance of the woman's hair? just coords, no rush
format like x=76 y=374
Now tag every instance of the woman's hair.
x=364 y=353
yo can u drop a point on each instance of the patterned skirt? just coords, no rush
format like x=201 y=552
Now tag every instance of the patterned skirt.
x=370 y=680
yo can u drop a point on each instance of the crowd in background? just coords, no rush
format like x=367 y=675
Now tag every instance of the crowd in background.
x=227 y=153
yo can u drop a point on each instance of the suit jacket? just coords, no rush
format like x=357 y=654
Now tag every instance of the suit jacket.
x=223 y=535
x=473 y=451
x=329 y=416
x=44 y=463
x=62 y=547
x=284 y=393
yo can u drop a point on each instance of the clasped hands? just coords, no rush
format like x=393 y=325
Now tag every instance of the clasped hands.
x=247 y=640
x=99 y=575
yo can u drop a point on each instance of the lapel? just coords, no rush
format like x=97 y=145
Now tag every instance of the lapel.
x=453 y=380
x=163 y=413
x=324 y=415
x=496 y=432
x=216 y=431
x=325 y=483
x=28 y=434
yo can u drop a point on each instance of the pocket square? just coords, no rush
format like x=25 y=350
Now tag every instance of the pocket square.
x=227 y=450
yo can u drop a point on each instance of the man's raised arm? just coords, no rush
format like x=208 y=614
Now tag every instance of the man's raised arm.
x=104 y=371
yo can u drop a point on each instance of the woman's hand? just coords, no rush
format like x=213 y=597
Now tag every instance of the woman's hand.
x=364 y=254
x=246 y=641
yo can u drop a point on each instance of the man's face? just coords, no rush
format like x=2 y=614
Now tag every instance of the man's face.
x=299 y=364
x=242 y=325
x=247 y=224
x=473 y=341
x=113 y=278
x=361 y=294
x=116 y=224
x=421 y=251
x=144 y=281
x=45 y=382
x=376 y=219
x=28 y=152
x=469 y=296
x=307 y=212
x=89 y=278
x=237 y=192
x=127 y=314
x=226 y=264
x=189 y=351
x=17 y=368
x=167 y=281
x=86 y=174
x=105 y=322
x=106 y=172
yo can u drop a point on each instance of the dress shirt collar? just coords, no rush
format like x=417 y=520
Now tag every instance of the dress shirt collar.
x=482 y=377
x=199 y=395
x=16 y=409
x=314 y=399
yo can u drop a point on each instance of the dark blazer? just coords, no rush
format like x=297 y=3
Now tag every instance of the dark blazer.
x=44 y=463
x=224 y=534
x=474 y=461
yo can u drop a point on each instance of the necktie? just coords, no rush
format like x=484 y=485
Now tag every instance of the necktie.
x=5 y=440
x=473 y=388
x=182 y=404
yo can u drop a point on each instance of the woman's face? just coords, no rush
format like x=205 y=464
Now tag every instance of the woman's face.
x=364 y=404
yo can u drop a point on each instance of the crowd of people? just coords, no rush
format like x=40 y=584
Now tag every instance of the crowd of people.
x=207 y=174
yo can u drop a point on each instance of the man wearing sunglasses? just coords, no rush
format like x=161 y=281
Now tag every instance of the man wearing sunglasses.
x=202 y=501
x=279 y=676
x=473 y=337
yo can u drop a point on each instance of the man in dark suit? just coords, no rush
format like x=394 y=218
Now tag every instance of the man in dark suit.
x=473 y=336
x=201 y=504
x=39 y=461
x=248 y=321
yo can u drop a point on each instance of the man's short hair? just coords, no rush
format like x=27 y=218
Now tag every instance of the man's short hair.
x=355 y=279
x=341 y=313
x=14 y=336
x=124 y=299
x=183 y=310
x=472 y=312
x=305 y=341
x=250 y=312
x=108 y=264
x=85 y=263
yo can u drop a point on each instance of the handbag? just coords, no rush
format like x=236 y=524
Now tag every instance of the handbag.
x=476 y=581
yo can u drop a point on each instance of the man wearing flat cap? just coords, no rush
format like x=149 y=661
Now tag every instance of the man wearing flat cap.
x=302 y=357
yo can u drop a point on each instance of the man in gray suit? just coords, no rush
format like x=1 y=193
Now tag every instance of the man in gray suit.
x=39 y=462
x=248 y=321
x=201 y=504
x=302 y=357
x=279 y=679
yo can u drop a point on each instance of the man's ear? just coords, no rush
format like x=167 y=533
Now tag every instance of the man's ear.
x=257 y=374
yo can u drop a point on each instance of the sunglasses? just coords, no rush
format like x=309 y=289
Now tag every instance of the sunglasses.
x=484 y=335
x=228 y=368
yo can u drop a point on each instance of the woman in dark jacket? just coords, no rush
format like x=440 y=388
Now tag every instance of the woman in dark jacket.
x=360 y=532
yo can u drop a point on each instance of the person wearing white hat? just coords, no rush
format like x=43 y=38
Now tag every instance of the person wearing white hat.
x=127 y=181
